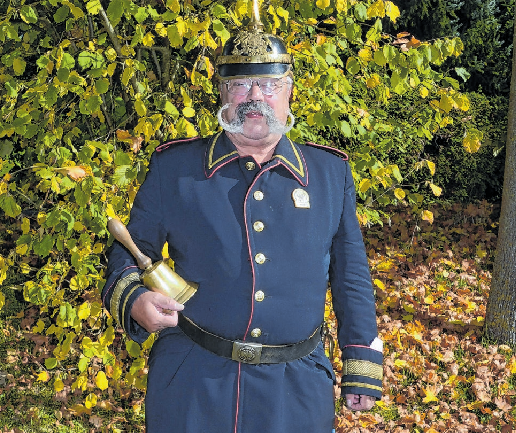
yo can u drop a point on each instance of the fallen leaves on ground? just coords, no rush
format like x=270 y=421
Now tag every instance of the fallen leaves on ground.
x=432 y=285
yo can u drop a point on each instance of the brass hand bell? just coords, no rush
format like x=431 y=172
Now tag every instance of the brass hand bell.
x=157 y=277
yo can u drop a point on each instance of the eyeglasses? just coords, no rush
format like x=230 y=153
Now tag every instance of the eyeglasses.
x=242 y=86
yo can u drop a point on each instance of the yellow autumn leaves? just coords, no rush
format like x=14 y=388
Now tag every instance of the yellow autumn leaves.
x=379 y=8
x=383 y=8
x=390 y=177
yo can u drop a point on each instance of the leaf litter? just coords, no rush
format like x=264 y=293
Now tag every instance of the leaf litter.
x=432 y=284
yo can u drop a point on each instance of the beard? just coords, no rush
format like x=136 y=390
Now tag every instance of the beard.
x=236 y=126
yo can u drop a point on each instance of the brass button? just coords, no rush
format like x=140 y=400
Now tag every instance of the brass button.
x=259 y=296
x=256 y=332
x=250 y=165
x=258 y=226
x=259 y=258
x=258 y=195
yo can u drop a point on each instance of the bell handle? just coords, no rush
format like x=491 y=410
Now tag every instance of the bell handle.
x=119 y=231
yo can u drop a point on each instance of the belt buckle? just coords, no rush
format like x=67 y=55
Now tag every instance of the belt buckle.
x=248 y=353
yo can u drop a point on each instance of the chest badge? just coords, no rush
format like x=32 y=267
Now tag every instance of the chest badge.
x=301 y=198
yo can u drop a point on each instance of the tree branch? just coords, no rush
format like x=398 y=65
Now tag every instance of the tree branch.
x=164 y=70
x=116 y=44
x=105 y=111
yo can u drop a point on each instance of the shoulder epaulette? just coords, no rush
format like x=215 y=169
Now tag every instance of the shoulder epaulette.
x=164 y=146
x=329 y=149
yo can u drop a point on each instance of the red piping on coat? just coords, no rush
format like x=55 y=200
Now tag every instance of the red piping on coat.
x=168 y=144
x=249 y=244
x=218 y=166
x=238 y=398
x=344 y=155
x=254 y=282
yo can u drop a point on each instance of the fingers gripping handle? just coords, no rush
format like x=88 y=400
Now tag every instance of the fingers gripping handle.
x=122 y=235
x=157 y=277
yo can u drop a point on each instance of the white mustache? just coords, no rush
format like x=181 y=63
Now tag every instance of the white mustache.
x=236 y=126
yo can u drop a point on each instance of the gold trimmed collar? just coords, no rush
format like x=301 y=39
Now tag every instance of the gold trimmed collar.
x=289 y=154
x=221 y=151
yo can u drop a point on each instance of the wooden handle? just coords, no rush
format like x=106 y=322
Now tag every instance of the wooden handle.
x=122 y=235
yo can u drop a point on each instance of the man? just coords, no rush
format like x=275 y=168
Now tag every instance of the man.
x=262 y=225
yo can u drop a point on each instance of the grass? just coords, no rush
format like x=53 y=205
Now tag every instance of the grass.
x=24 y=401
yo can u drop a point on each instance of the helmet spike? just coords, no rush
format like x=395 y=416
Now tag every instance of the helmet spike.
x=255 y=23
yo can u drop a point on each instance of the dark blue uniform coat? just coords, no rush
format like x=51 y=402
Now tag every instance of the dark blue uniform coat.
x=263 y=258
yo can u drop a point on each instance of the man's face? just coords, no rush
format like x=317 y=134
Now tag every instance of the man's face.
x=256 y=122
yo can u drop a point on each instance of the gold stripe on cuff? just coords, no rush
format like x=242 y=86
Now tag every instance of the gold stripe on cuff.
x=358 y=367
x=362 y=385
x=125 y=303
x=122 y=284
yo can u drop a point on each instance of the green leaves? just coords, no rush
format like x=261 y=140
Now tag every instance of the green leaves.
x=140 y=107
x=133 y=348
x=28 y=14
x=124 y=175
x=462 y=73
x=43 y=246
x=102 y=85
x=50 y=363
x=220 y=30
x=174 y=37
x=90 y=105
x=141 y=14
x=61 y=14
x=218 y=10
x=67 y=315
x=9 y=206
x=76 y=12
x=399 y=82
x=19 y=66
x=345 y=129
x=115 y=11
x=171 y=109
x=353 y=66
x=93 y=7
x=360 y=12
x=354 y=33
x=88 y=59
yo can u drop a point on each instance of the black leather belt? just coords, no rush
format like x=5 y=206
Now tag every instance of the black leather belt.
x=247 y=352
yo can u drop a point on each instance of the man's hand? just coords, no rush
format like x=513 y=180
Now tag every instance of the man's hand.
x=155 y=311
x=359 y=402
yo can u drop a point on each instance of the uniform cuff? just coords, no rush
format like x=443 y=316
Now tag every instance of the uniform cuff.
x=127 y=289
x=362 y=371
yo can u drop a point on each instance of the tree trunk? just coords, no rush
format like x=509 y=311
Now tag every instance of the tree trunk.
x=501 y=308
